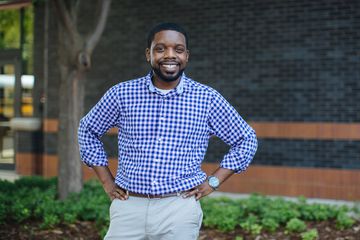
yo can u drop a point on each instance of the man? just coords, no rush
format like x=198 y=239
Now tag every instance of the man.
x=165 y=120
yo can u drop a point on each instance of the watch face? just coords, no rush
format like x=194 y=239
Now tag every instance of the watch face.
x=214 y=182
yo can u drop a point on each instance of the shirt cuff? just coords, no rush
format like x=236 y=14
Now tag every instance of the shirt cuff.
x=237 y=166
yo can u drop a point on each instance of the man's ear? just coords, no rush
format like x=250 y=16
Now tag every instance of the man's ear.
x=147 y=54
x=187 y=55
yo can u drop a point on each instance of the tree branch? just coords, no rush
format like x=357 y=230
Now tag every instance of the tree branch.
x=65 y=18
x=94 y=38
x=73 y=10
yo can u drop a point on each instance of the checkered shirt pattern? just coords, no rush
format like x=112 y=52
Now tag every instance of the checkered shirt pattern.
x=162 y=138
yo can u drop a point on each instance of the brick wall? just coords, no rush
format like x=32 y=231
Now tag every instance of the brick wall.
x=279 y=61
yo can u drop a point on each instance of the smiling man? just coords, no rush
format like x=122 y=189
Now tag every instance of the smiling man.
x=165 y=120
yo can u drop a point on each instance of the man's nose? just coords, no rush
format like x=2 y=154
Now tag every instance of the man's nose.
x=170 y=53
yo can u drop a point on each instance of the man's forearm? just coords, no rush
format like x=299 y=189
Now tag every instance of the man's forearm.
x=204 y=189
x=222 y=174
x=104 y=174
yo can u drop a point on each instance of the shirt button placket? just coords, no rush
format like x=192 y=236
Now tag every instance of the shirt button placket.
x=158 y=140
x=161 y=119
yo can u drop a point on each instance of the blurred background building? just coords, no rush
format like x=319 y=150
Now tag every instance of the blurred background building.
x=291 y=69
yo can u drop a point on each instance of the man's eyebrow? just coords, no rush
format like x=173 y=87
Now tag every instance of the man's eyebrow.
x=164 y=45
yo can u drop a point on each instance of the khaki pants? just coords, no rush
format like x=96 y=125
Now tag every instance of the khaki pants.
x=171 y=218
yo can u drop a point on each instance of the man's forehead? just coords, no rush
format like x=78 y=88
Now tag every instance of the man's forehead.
x=169 y=35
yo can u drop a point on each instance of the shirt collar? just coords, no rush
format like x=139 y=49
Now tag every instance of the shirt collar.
x=179 y=88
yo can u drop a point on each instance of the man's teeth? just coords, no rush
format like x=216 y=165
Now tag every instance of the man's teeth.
x=169 y=65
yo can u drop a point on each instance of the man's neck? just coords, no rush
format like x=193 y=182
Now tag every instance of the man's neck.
x=161 y=84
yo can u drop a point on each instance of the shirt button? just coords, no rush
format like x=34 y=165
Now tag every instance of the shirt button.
x=162 y=119
x=154 y=182
x=160 y=139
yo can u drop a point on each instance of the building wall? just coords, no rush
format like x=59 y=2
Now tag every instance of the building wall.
x=280 y=62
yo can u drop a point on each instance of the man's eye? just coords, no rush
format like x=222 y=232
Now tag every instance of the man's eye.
x=159 y=49
x=180 y=50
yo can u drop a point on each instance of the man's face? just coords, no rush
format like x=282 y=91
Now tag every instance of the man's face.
x=168 y=55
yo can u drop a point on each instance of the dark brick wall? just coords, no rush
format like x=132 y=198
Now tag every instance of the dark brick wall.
x=273 y=60
x=30 y=142
x=309 y=153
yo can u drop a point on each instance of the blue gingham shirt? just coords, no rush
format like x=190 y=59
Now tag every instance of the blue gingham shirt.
x=162 y=138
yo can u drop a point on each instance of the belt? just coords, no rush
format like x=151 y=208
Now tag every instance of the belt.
x=154 y=196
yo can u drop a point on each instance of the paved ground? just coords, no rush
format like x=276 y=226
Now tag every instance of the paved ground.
x=350 y=204
x=8 y=175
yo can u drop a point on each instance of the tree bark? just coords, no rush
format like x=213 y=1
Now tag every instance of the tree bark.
x=71 y=109
x=74 y=61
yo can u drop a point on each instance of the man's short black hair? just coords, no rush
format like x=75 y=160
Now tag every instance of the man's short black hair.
x=166 y=26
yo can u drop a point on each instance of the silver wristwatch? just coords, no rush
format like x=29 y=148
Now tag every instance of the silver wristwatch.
x=214 y=182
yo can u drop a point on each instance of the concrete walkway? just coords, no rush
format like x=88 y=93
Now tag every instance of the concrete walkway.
x=8 y=175
x=349 y=204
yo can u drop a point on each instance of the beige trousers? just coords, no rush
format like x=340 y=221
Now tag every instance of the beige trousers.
x=171 y=218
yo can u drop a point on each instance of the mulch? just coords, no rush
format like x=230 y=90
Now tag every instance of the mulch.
x=82 y=230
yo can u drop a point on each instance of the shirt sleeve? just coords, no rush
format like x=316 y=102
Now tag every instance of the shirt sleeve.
x=226 y=123
x=99 y=120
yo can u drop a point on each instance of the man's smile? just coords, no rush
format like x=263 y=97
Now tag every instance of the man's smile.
x=169 y=67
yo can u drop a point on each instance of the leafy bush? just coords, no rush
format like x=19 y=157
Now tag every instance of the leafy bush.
x=310 y=235
x=295 y=225
x=222 y=215
x=35 y=198
x=343 y=221
x=50 y=220
x=317 y=212
x=269 y=224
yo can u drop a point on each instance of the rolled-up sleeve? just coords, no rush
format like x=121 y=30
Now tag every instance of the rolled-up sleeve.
x=103 y=116
x=226 y=123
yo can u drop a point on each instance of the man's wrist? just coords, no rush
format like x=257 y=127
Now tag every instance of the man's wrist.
x=214 y=182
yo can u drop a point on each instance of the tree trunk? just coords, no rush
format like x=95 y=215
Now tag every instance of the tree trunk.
x=71 y=109
x=74 y=59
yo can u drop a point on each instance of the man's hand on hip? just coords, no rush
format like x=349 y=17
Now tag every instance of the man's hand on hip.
x=205 y=189
x=114 y=191
x=107 y=180
x=200 y=191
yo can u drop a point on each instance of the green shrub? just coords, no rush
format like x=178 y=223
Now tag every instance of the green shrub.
x=250 y=225
x=36 y=198
x=317 y=212
x=50 y=221
x=223 y=216
x=6 y=186
x=310 y=235
x=19 y=211
x=281 y=211
x=343 y=221
x=69 y=218
x=269 y=224
x=295 y=225
x=35 y=182
x=3 y=208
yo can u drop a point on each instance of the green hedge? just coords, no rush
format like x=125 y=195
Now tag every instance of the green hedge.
x=258 y=213
x=36 y=198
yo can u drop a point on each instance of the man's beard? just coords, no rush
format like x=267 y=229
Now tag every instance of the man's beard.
x=167 y=78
